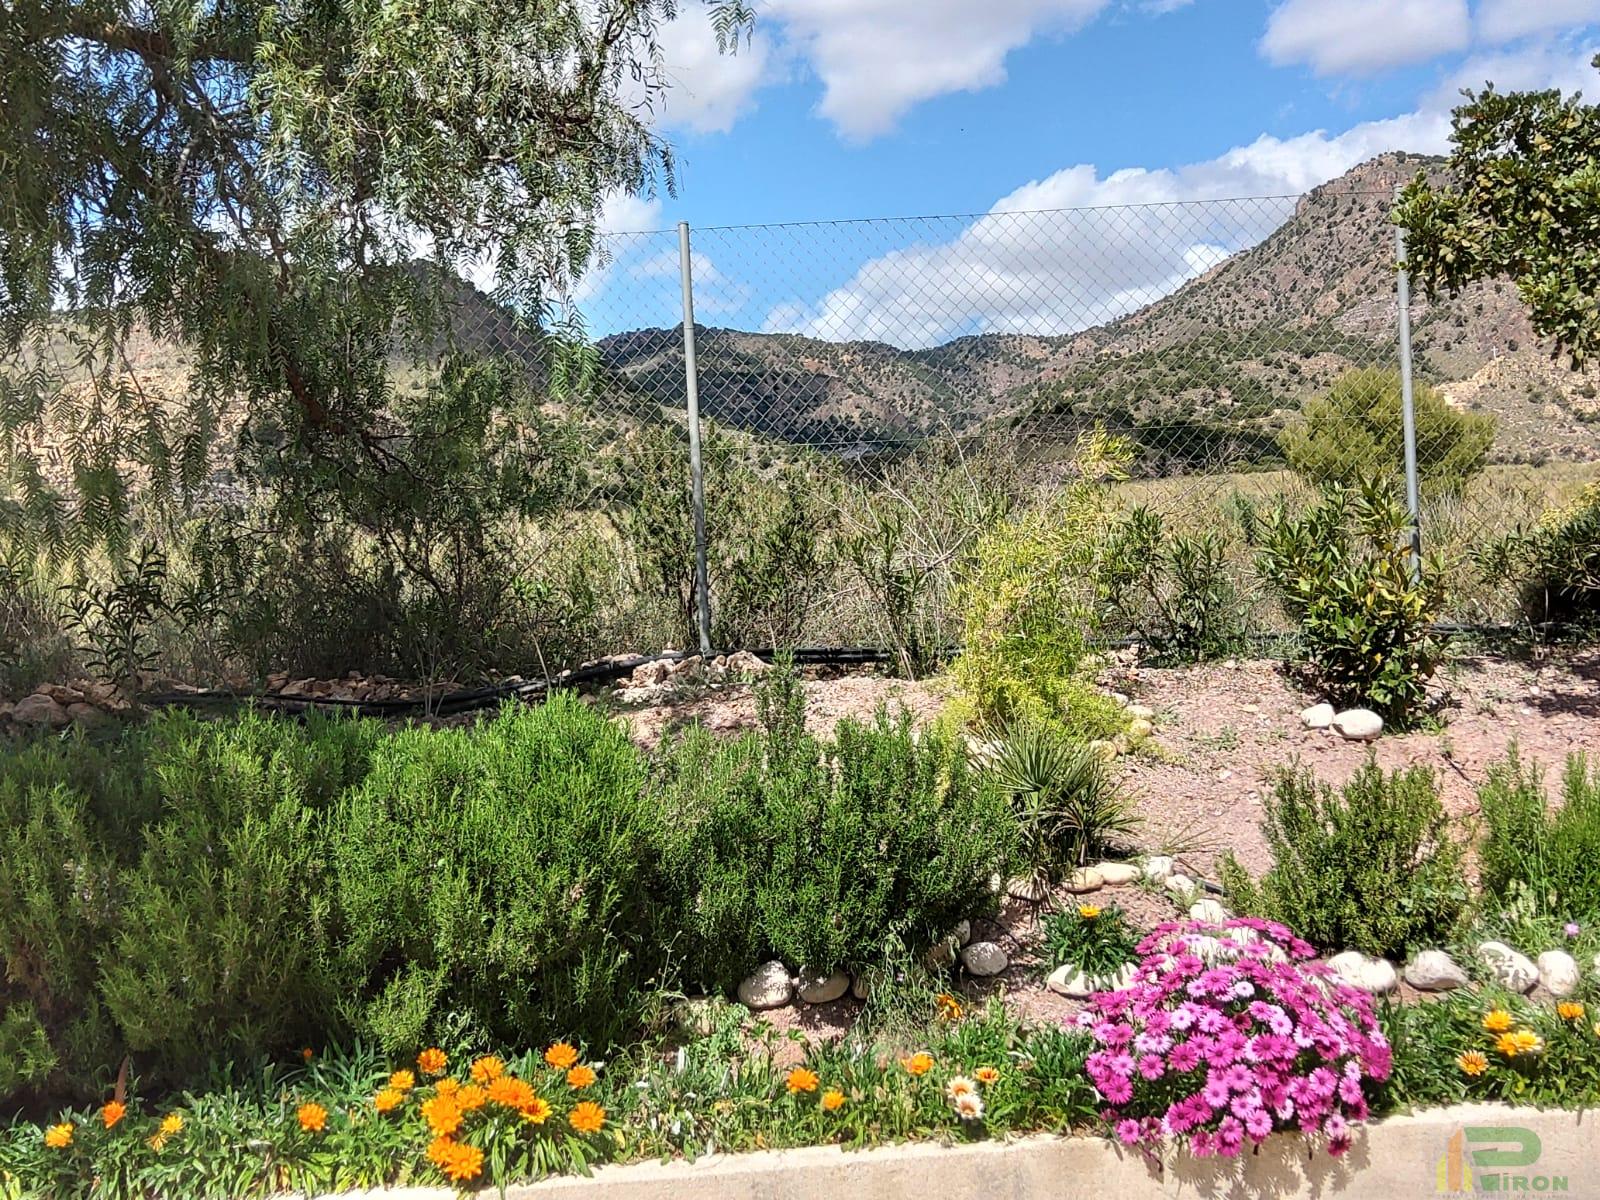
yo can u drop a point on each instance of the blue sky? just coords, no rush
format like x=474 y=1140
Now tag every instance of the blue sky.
x=871 y=108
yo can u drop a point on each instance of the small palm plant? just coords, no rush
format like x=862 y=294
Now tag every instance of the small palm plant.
x=1066 y=803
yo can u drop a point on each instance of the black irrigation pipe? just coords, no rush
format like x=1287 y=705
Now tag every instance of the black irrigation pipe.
x=609 y=670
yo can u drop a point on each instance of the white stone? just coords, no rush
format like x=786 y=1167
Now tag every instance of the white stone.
x=1374 y=975
x=861 y=986
x=769 y=986
x=1558 y=972
x=1085 y=879
x=1140 y=712
x=40 y=709
x=1358 y=725
x=816 y=988
x=1318 y=716
x=1118 y=872
x=1158 y=868
x=1181 y=886
x=1028 y=887
x=1511 y=970
x=744 y=663
x=1140 y=729
x=984 y=958
x=1211 y=911
x=1434 y=971
x=1067 y=980
x=962 y=933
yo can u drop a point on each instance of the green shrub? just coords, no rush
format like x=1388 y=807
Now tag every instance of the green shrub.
x=1097 y=941
x=1176 y=591
x=1550 y=854
x=498 y=875
x=1556 y=564
x=1353 y=432
x=1065 y=802
x=1029 y=601
x=823 y=856
x=1371 y=867
x=1343 y=571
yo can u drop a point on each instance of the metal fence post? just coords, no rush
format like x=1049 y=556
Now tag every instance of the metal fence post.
x=691 y=389
x=1408 y=411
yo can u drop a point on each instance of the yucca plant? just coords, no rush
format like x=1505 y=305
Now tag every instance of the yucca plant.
x=1066 y=803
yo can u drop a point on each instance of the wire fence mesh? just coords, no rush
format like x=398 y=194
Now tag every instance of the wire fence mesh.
x=881 y=383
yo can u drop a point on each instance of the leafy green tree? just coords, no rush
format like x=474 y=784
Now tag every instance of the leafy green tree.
x=257 y=181
x=1354 y=432
x=1524 y=202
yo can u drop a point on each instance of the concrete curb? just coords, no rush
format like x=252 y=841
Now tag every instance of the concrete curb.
x=1396 y=1159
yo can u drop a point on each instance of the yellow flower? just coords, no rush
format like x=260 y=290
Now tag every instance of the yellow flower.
x=1519 y=1042
x=561 y=1056
x=536 y=1111
x=801 y=1080
x=1472 y=1063
x=59 y=1137
x=832 y=1100
x=987 y=1075
x=1497 y=1020
x=919 y=1063
x=313 y=1118
x=432 y=1061
x=949 y=1007
x=172 y=1125
x=157 y=1142
x=388 y=1100
x=402 y=1081
x=1088 y=911
x=442 y=1114
x=487 y=1069
x=113 y=1111
x=1570 y=1010
x=587 y=1117
x=447 y=1087
x=580 y=1077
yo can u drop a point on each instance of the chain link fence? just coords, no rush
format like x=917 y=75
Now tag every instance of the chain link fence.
x=882 y=385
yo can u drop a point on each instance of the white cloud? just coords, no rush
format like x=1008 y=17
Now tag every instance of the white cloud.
x=707 y=91
x=716 y=293
x=1334 y=36
x=624 y=219
x=1506 y=20
x=879 y=58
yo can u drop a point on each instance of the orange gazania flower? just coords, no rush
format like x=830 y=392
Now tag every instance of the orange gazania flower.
x=487 y=1069
x=388 y=1100
x=1497 y=1020
x=447 y=1087
x=471 y=1098
x=402 y=1081
x=59 y=1137
x=832 y=1100
x=986 y=1075
x=113 y=1111
x=313 y=1117
x=440 y=1150
x=442 y=1114
x=1472 y=1063
x=587 y=1117
x=536 y=1111
x=561 y=1055
x=510 y=1092
x=949 y=1007
x=465 y=1162
x=307 y=1054
x=432 y=1061
x=919 y=1063
x=801 y=1080
x=1519 y=1042
x=1570 y=1010
x=580 y=1077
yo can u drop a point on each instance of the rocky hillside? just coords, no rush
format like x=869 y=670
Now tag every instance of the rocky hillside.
x=1204 y=377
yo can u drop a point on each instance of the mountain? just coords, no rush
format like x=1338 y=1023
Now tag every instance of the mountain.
x=1203 y=377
